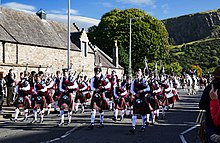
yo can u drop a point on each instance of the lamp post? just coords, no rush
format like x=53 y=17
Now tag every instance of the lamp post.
x=129 y=67
x=68 y=41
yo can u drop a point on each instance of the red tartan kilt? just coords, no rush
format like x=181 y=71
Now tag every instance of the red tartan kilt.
x=172 y=99
x=41 y=105
x=142 y=109
x=109 y=94
x=25 y=104
x=49 y=99
x=162 y=102
x=66 y=106
x=99 y=104
x=175 y=92
x=31 y=91
x=120 y=104
x=88 y=95
x=56 y=96
x=80 y=97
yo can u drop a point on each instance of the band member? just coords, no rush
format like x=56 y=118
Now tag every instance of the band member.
x=57 y=93
x=80 y=94
x=119 y=93
x=99 y=84
x=22 y=99
x=67 y=86
x=128 y=97
x=51 y=90
x=139 y=87
x=38 y=99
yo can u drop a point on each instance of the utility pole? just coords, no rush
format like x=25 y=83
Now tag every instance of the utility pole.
x=68 y=53
x=129 y=67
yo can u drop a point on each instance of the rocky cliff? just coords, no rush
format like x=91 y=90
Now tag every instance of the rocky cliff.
x=193 y=27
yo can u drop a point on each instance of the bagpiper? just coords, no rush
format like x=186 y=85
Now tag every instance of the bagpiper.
x=67 y=86
x=22 y=99
x=99 y=84
x=139 y=88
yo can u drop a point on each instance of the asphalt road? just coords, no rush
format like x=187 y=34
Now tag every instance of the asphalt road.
x=179 y=126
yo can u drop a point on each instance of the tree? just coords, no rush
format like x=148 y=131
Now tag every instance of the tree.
x=149 y=36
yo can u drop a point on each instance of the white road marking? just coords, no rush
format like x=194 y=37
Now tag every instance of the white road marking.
x=186 y=131
x=65 y=135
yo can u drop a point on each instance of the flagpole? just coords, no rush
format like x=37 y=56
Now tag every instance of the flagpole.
x=68 y=53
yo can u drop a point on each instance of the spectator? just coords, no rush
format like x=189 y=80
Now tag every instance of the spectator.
x=2 y=90
x=10 y=83
x=204 y=104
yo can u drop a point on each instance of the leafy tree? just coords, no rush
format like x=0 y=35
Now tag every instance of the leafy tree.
x=149 y=36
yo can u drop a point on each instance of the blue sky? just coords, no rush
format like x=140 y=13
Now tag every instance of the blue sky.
x=86 y=13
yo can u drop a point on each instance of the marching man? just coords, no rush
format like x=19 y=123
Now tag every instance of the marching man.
x=67 y=86
x=139 y=88
x=99 y=84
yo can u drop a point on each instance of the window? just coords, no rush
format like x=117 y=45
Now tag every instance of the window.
x=84 y=49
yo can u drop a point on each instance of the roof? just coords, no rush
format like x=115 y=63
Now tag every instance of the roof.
x=104 y=59
x=24 y=28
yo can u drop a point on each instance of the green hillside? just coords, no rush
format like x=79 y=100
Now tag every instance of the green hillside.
x=204 y=53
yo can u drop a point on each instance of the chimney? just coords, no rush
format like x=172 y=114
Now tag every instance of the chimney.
x=42 y=14
x=115 y=54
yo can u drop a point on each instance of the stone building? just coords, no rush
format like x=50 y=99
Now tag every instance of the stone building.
x=31 y=42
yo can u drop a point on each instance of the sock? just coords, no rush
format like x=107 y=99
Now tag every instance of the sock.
x=148 y=118
x=62 y=116
x=49 y=108
x=83 y=107
x=69 y=116
x=93 y=117
x=163 y=111
x=76 y=106
x=42 y=115
x=122 y=113
x=144 y=118
x=25 y=113
x=116 y=113
x=158 y=112
x=153 y=116
x=110 y=104
x=101 y=117
x=134 y=118
x=35 y=115
x=55 y=105
x=16 y=113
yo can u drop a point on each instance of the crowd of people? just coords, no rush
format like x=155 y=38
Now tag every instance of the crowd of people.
x=145 y=95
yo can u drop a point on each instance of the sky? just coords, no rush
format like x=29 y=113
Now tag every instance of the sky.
x=86 y=13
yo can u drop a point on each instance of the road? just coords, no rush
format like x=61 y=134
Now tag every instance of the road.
x=179 y=126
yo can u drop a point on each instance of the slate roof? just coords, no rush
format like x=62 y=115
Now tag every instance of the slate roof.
x=105 y=60
x=24 y=28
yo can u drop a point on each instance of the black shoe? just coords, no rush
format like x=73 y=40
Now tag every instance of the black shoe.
x=91 y=127
x=142 y=129
x=14 y=120
x=163 y=117
x=60 y=124
x=41 y=121
x=132 y=131
x=121 y=118
x=25 y=119
x=68 y=123
x=147 y=123
x=33 y=121
x=101 y=126
x=114 y=119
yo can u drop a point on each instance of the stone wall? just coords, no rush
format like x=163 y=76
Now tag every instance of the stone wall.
x=17 y=56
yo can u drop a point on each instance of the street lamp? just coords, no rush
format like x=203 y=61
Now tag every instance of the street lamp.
x=129 y=67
